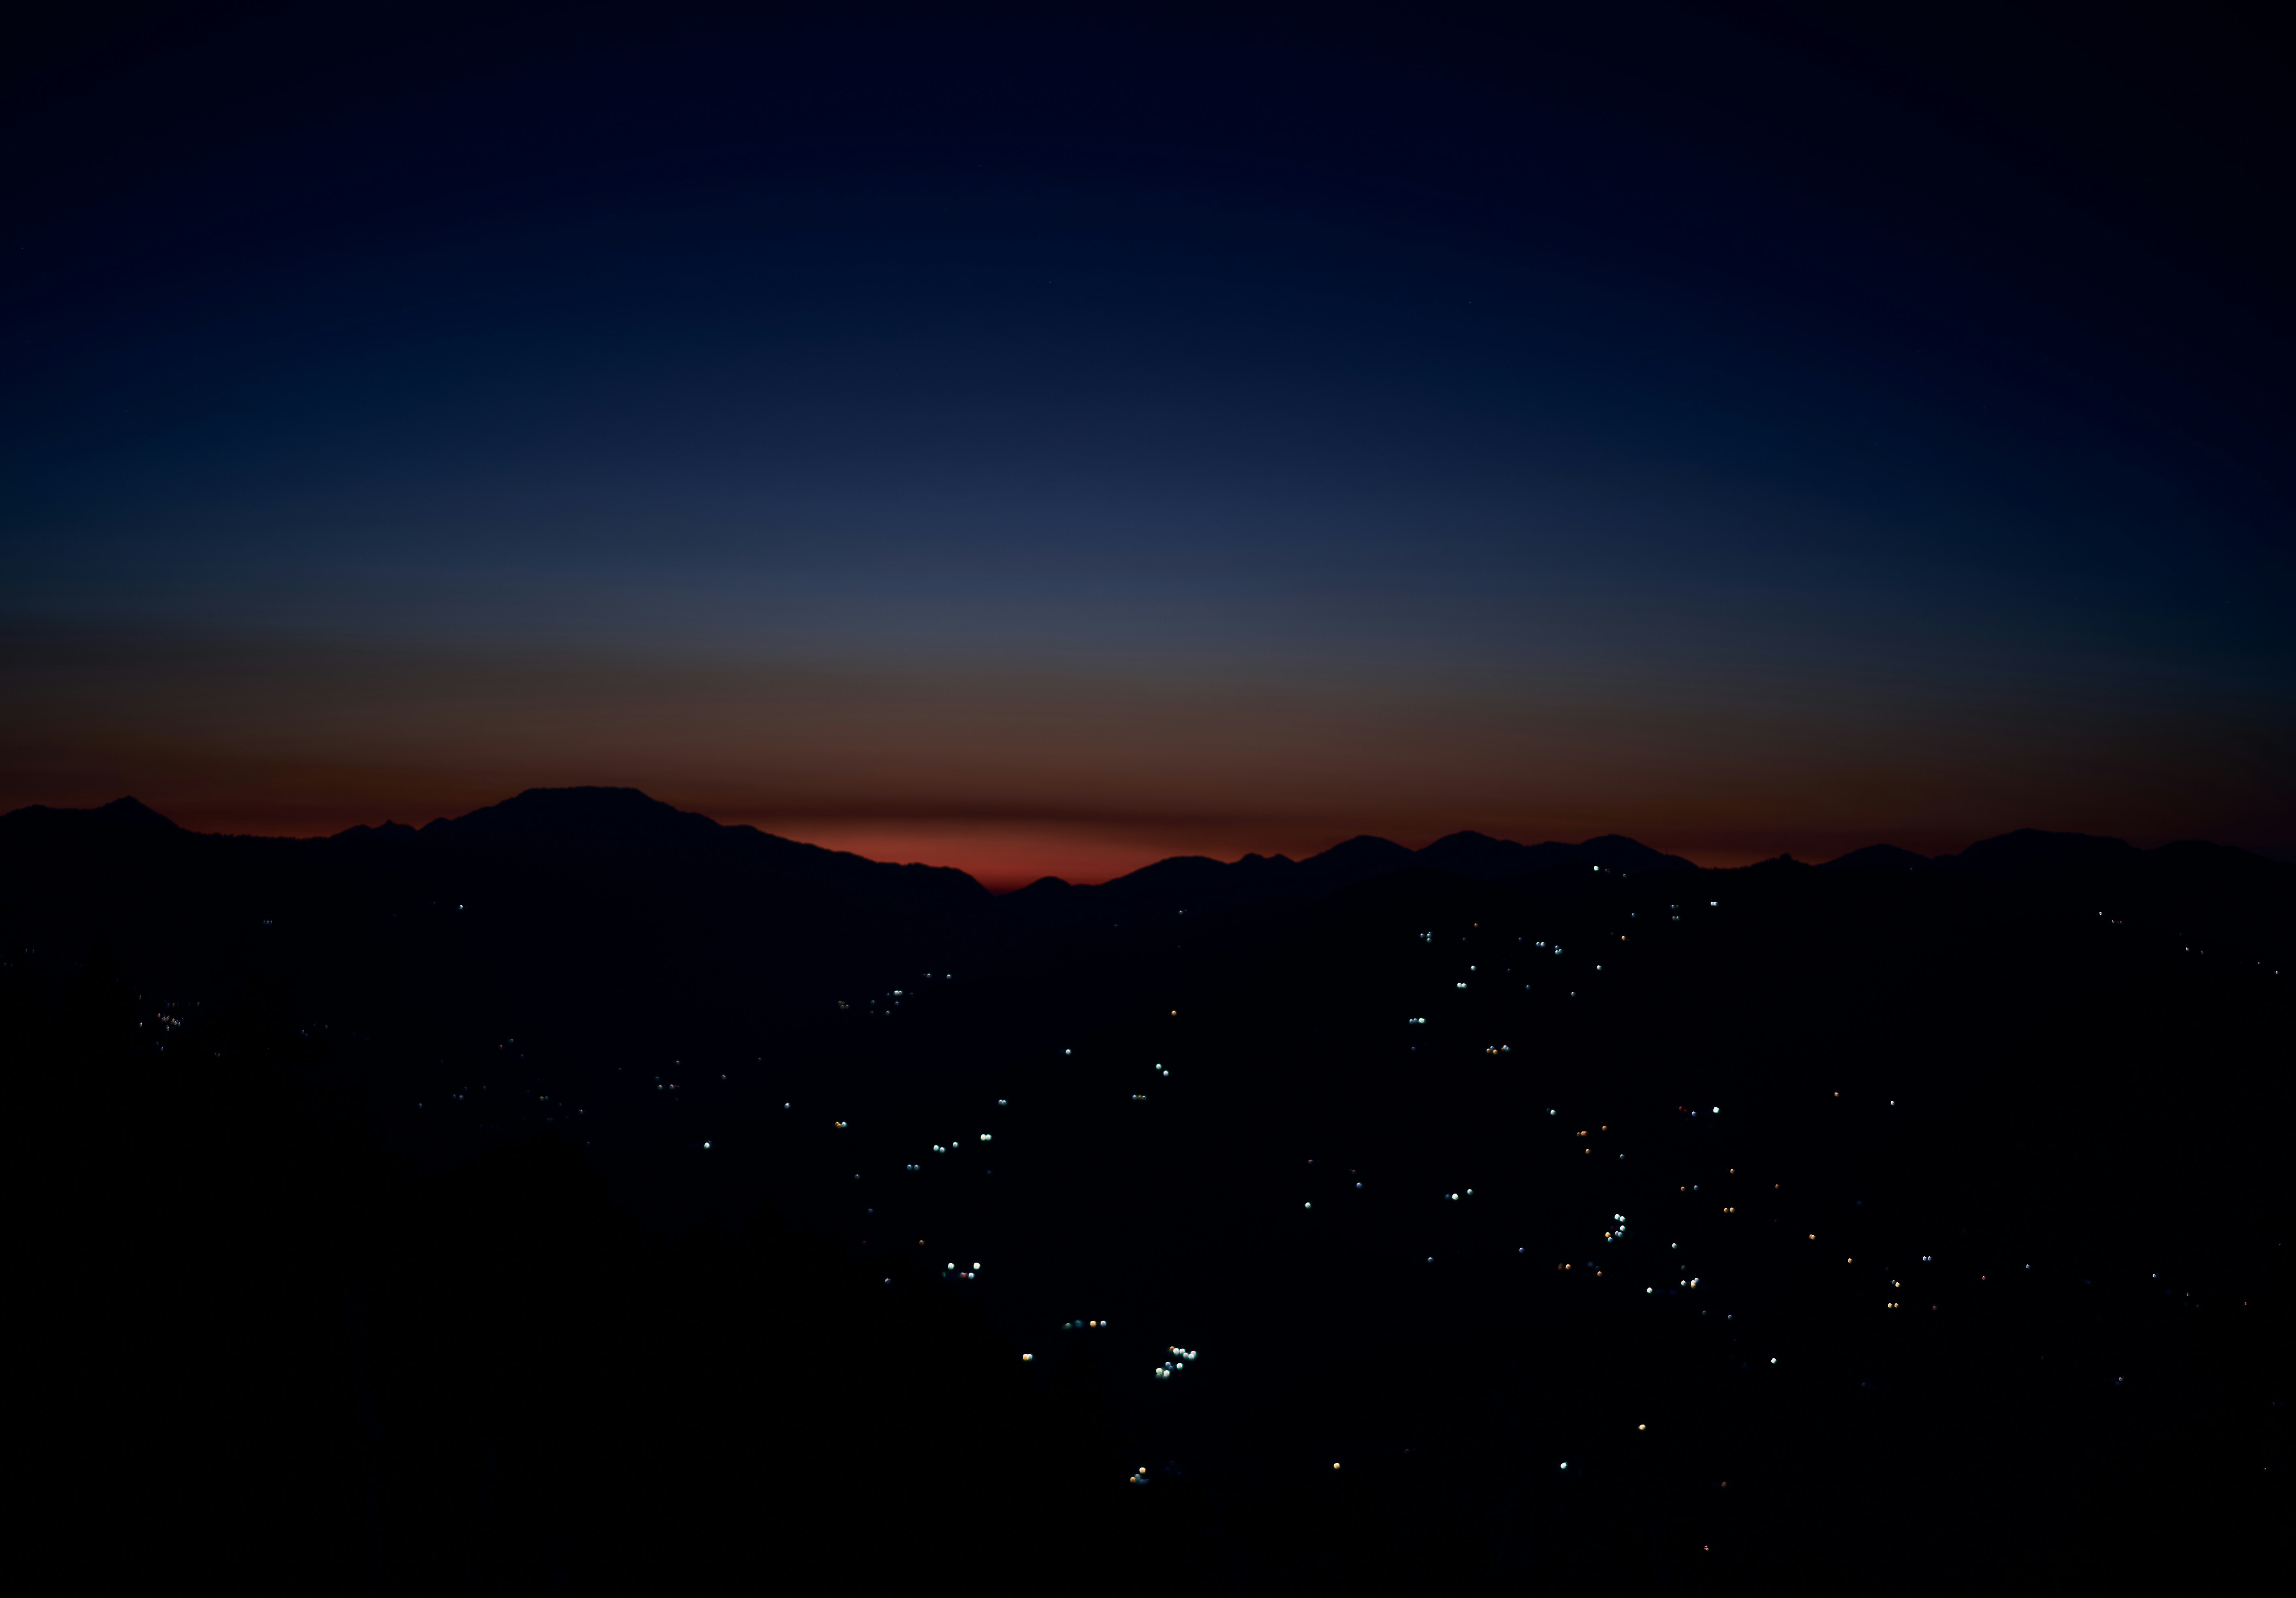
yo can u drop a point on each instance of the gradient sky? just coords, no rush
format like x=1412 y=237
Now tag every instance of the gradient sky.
x=1036 y=446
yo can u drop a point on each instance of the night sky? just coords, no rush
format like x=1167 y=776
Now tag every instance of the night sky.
x=1042 y=446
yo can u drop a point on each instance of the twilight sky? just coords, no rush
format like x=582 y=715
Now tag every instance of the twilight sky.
x=1035 y=446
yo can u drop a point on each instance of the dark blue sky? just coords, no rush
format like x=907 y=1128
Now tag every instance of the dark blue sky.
x=1035 y=444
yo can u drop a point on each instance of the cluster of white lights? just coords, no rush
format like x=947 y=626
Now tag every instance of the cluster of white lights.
x=1180 y=1360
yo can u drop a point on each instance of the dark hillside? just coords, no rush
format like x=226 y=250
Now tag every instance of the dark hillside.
x=1764 y=1231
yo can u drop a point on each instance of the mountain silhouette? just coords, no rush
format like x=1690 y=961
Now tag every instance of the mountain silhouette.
x=388 y=830
x=623 y=827
x=123 y=818
x=1880 y=857
x=1236 y=1107
x=1359 y=860
x=2028 y=849
x=1201 y=885
x=790 y=915
x=597 y=816
x=1493 y=860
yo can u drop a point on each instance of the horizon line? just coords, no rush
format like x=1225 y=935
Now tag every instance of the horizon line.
x=1006 y=881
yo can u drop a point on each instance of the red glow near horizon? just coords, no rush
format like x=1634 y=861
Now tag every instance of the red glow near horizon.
x=1004 y=858
x=1000 y=855
x=1006 y=853
x=1001 y=859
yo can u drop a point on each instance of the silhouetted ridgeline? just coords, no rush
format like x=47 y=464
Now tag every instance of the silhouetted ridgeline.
x=583 y=1197
x=780 y=918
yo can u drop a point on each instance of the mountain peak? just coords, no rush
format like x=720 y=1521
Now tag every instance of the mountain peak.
x=599 y=815
x=388 y=829
x=1879 y=857
x=133 y=811
x=122 y=815
x=1362 y=851
x=625 y=830
x=1615 y=851
x=2030 y=848
x=1495 y=860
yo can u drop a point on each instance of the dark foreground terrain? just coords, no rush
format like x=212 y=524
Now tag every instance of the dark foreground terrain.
x=580 y=1201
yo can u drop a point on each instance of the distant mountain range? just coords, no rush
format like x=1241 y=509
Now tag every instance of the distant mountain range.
x=2030 y=850
x=570 y=902
x=625 y=833
x=1196 y=883
x=585 y=898
x=450 y=1084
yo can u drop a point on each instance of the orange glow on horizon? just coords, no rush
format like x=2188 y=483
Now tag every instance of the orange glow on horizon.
x=1000 y=858
x=1003 y=853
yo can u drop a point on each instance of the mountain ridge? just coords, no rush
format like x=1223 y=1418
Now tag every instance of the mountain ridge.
x=599 y=913
x=625 y=827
